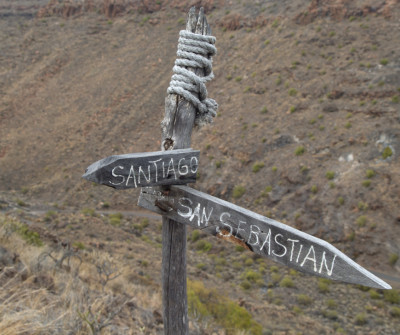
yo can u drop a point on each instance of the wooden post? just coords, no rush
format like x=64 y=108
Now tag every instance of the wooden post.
x=177 y=130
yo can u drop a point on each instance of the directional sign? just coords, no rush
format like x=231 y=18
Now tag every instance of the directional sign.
x=259 y=234
x=145 y=169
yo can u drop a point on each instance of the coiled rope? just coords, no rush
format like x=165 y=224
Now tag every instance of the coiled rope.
x=195 y=51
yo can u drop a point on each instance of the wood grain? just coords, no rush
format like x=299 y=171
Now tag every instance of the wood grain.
x=264 y=236
x=177 y=129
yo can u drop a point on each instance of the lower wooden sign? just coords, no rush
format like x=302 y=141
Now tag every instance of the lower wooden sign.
x=257 y=233
x=145 y=169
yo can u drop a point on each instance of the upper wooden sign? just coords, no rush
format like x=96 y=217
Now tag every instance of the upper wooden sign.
x=145 y=169
x=259 y=234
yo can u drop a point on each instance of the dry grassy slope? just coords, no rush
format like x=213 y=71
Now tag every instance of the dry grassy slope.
x=74 y=91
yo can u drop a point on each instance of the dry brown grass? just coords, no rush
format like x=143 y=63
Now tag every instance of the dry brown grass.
x=40 y=297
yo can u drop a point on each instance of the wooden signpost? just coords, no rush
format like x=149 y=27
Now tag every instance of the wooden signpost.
x=158 y=173
x=145 y=169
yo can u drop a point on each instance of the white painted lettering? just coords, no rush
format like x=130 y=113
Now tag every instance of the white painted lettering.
x=196 y=212
x=221 y=219
x=142 y=172
x=204 y=217
x=194 y=164
x=131 y=176
x=291 y=250
x=311 y=250
x=171 y=167
x=189 y=209
x=267 y=240
x=117 y=175
x=163 y=169
x=238 y=229
x=155 y=167
x=185 y=167
x=276 y=241
x=255 y=234
x=298 y=255
x=323 y=262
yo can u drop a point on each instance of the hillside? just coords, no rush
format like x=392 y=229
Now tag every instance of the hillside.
x=308 y=122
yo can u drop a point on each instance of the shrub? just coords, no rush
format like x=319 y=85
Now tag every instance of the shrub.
x=395 y=312
x=264 y=110
x=115 y=219
x=331 y=303
x=203 y=246
x=330 y=175
x=238 y=191
x=248 y=262
x=252 y=276
x=299 y=150
x=286 y=282
x=330 y=314
x=374 y=295
x=387 y=152
x=393 y=258
x=205 y=303
x=314 y=189
x=88 y=212
x=391 y=296
x=369 y=173
x=360 y=319
x=395 y=99
x=340 y=201
x=194 y=237
x=50 y=215
x=257 y=167
x=361 y=221
x=292 y=92
x=366 y=183
x=384 y=61
x=78 y=245
x=304 y=300
x=323 y=286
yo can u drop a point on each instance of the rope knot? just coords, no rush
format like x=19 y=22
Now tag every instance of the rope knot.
x=195 y=51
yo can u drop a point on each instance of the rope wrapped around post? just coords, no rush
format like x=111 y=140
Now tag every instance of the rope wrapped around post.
x=195 y=51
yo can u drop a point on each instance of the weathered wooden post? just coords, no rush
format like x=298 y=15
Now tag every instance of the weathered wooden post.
x=177 y=164
x=178 y=123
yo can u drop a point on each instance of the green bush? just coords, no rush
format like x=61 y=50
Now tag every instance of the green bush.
x=195 y=236
x=78 y=245
x=330 y=314
x=292 y=92
x=50 y=215
x=395 y=312
x=299 y=150
x=360 y=319
x=207 y=303
x=361 y=221
x=238 y=191
x=369 y=173
x=88 y=212
x=393 y=258
x=391 y=296
x=286 y=282
x=257 y=167
x=387 y=152
x=21 y=229
x=203 y=246
x=304 y=300
x=330 y=175
x=374 y=294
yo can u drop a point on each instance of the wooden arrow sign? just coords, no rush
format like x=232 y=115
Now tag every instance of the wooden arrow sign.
x=145 y=169
x=257 y=233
